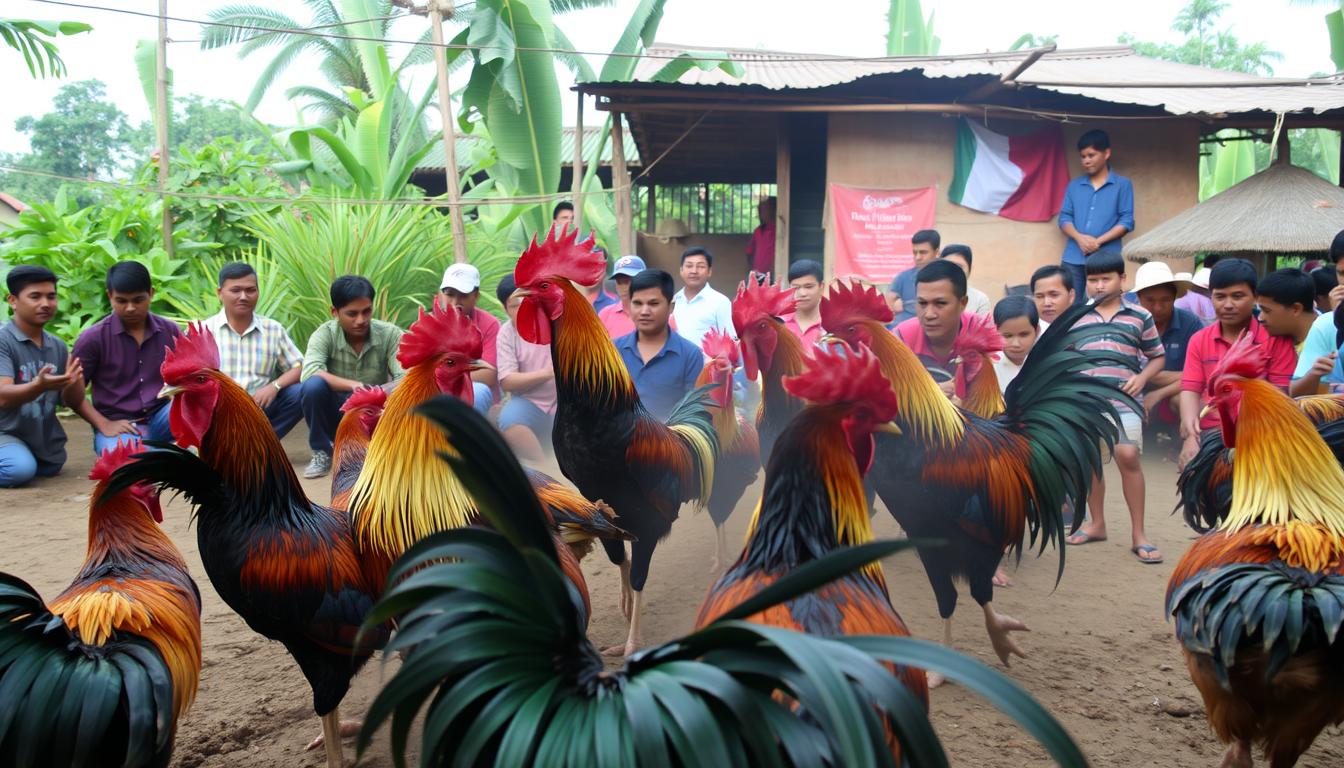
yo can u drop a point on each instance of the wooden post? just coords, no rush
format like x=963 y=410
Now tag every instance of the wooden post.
x=577 y=175
x=651 y=208
x=161 y=124
x=620 y=183
x=783 y=164
x=437 y=8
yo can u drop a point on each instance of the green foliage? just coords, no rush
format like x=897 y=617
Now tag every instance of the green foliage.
x=908 y=32
x=1205 y=47
x=29 y=38
x=492 y=642
x=1030 y=40
x=1334 y=24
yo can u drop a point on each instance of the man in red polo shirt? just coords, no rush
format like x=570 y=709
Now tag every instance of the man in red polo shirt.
x=1232 y=285
x=932 y=333
x=805 y=322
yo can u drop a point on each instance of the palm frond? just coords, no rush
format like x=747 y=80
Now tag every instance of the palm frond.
x=255 y=25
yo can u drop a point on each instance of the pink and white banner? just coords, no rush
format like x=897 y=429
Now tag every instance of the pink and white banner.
x=873 y=228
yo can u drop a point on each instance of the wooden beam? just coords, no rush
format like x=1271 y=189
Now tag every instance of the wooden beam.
x=437 y=8
x=620 y=182
x=783 y=166
x=1011 y=77
x=577 y=186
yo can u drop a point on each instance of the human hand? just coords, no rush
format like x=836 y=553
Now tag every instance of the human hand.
x=897 y=306
x=1323 y=365
x=47 y=379
x=119 y=427
x=1336 y=295
x=265 y=395
x=1088 y=243
x=1133 y=386
x=1188 y=452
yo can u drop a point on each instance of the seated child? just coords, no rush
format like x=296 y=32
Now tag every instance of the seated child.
x=1018 y=324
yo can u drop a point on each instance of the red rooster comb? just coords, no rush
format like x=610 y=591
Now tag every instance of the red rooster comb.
x=846 y=302
x=193 y=351
x=719 y=344
x=441 y=331
x=560 y=256
x=112 y=459
x=365 y=397
x=978 y=334
x=1246 y=359
x=845 y=377
x=755 y=301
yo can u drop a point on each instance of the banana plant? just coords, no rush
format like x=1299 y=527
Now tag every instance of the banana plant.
x=908 y=32
x=1226 y=164
x=28 y=37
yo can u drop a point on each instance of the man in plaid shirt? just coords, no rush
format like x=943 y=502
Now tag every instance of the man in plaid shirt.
x=256 y=351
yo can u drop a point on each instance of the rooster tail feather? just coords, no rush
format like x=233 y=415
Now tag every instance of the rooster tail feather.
x=168 y=467
x=70 y=703
x=692 y=422
x=1205 y=485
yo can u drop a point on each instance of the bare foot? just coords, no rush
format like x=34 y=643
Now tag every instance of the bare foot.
x=998 y=625
x=1001 y=578
x=935 y=679
x=616 y=651
x=1238 y=755
x=349 y=728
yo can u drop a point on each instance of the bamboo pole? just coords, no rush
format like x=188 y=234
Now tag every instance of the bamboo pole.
x=620 y=184
x=161 y=124
x=437 y=8
x=576 y=176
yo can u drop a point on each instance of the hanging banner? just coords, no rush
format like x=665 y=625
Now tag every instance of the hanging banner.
x=873 y=228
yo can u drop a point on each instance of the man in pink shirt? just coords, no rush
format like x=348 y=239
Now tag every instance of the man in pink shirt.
x=1232 y=283
x=461 y=288
x=761 y=248
x=932 y=333
x=526 y=374
x=805 y=322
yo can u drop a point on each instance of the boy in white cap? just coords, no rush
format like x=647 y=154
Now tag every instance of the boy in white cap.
x=461 y=288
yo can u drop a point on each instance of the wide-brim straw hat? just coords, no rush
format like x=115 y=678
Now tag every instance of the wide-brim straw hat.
x=1154 y=273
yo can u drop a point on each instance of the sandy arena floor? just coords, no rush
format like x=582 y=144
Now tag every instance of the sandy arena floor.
x=1101 y=655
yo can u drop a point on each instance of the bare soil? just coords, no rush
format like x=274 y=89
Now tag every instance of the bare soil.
x=1101 y=654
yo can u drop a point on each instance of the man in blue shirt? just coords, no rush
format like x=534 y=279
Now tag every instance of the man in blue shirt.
x=1098 y=208
x=662 y=364
x=901 y=294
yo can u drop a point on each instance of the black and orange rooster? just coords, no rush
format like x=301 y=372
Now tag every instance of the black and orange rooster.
x=605 y=442
x=813 y=504
x=405 y=491
x=739 y=450
x=287 y=566
x=982 y=484
x=101 y=676
x=1259 y=601
x=362 y=410
x=1205 y=483
x=769 y=352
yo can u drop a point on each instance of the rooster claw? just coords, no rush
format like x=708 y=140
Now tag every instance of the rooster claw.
x=999 y=625
x=349 y=728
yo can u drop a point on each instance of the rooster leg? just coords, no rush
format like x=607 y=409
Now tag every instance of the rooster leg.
x=1238 y=755
x=627 y=599
x=349 y=728
x=998 y=625
x=633 y=640
x=331 y=739
x=720 y=551
x=936 y=679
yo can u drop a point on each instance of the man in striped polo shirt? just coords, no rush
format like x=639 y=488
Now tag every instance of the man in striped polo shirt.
x=1131 y=332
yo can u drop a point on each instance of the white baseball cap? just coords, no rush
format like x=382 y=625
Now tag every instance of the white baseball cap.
x=463 y=278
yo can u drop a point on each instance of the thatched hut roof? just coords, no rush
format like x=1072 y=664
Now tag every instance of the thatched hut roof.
x=1282 y=209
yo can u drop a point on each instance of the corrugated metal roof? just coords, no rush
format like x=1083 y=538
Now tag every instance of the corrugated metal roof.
x=467 y=146
x=1113 y=74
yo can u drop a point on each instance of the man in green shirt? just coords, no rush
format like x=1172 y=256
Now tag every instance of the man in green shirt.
x=348 y=351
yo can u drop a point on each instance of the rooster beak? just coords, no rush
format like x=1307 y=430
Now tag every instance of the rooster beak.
x=168 y=391
x=523 y=292
x=889 y=428
x=1206 y=411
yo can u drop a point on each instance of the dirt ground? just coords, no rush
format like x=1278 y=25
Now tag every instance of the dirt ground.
x=1101 y=655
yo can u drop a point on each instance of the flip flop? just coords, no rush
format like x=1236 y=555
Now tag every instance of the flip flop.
x=1087 y=539
x=1146 y=548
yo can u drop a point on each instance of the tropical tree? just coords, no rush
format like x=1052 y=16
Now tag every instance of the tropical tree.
x=30 y=39
x=908 y=32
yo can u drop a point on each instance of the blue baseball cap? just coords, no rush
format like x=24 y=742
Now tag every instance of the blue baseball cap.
x=628 y=266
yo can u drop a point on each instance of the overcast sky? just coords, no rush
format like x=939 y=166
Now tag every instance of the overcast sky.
x=846 y=27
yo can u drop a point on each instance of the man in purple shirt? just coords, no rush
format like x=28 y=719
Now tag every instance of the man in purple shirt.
x=121 y=356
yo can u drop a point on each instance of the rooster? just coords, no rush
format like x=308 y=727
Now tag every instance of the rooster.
x=739 y=450
x=981 y=484
x=769 y=351
x=362 y=410
x=1258 y=601
x=606 y=443
x=102 y=674
x=405 y=492
x=1205 y=483
x=287 y=566
x=813 y=504
x=977 y=386
x=504 y=673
